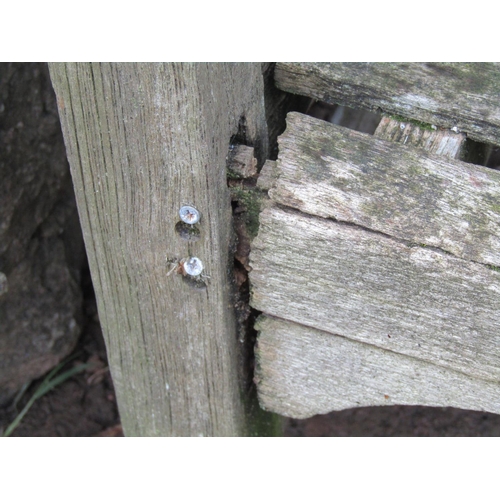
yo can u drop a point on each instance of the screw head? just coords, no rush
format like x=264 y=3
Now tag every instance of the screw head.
x=193 y=266
x=189 y=215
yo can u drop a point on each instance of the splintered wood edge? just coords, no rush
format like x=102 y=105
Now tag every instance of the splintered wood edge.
x=402 y=191
x=296 y=378
x=413 y=300
x=242 y=162
x=441 y=142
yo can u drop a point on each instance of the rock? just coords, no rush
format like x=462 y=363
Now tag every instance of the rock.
x=41 y=244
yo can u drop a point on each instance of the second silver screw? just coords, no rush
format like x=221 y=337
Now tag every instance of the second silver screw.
x=193 y=266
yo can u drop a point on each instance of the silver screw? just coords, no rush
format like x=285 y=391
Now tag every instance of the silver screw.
x=193 y=266
x=189 y=215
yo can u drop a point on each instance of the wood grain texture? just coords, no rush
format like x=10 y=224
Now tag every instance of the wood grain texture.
x=405 y=192
x=347 y=281
x=267 y=175
x=302 y=372
x=143 y=140
x=462 y=95
x=440 y=142
x=241 y=162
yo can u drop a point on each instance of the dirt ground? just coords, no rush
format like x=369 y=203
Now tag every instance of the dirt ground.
x=85 y=405
x=402 y=421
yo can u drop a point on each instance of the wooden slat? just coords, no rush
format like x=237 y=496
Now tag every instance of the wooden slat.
x=462 y=95
x=143 y=140
x=302 y=372
x=347 y=281
x=360 y=289
x=405 y=192
x=440 y=142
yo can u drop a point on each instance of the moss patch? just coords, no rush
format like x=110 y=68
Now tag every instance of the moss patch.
x=249 y=199
x=262 y=423
x=422 y=125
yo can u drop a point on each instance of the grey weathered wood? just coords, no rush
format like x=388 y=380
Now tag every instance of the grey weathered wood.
x=463 y=95
x=302 y=372
x=441 y=142
x=143 y=140
x=389 y=321
x=329 y=171
x=267 y=175
x=242 y=163
x=347 y=281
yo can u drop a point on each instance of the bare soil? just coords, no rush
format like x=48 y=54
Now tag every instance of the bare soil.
x=402 y=421
x=84 y=405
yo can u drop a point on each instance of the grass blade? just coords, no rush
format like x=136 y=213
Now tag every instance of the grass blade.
x=47 y=384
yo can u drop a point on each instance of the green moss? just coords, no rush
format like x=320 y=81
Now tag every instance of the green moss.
x=262 y=423
x=422 y=125
x=250 y=199
x=231 y=174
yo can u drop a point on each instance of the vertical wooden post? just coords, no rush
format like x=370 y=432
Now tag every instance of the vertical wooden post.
x=143 y=140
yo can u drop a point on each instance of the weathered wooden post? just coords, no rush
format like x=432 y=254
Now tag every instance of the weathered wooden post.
x=142 y=141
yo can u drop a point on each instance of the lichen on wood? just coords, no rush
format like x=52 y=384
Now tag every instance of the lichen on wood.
x=402 y=191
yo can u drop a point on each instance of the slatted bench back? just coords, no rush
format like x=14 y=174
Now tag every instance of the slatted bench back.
x=376 y=266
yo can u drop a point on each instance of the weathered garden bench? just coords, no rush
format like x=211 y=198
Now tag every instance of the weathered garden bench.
x=375 y=270
x=377 y=262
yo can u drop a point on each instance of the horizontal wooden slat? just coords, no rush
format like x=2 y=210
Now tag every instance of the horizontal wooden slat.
x=462 y=95
x=369 y=287
x=330 y=171
x=440 y=142
x=302 y=371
